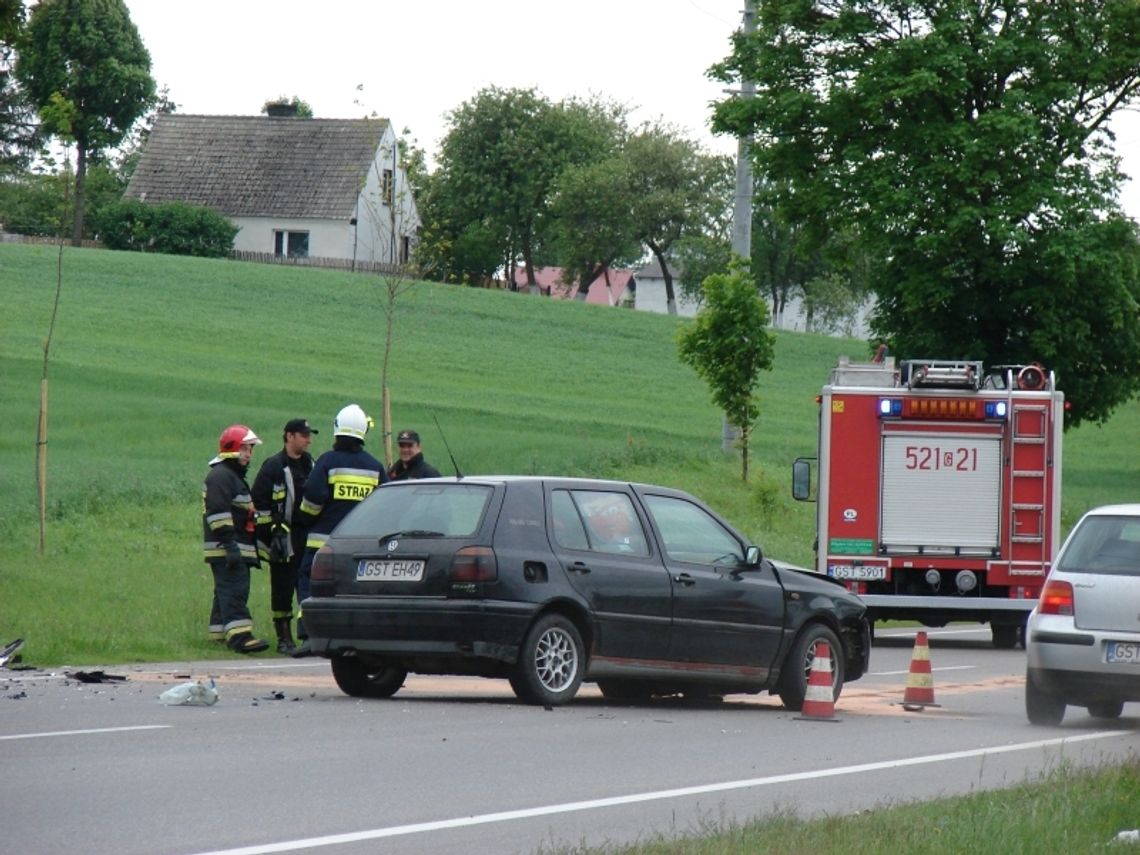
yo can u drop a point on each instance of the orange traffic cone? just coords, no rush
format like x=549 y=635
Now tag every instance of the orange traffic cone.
x=919 y=692
x=819 y=700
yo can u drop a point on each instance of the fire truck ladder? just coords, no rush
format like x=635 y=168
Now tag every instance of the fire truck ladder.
x=1028 y=481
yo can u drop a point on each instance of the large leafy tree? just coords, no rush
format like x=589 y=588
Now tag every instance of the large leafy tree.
x=19 y=130
x=88 y=73
x=675 y=190
x=965 y=142
x=593 y=227
x=501 y=158
x=728 y=344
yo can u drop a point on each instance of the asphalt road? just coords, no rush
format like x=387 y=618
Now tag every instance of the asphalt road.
x=284 y=762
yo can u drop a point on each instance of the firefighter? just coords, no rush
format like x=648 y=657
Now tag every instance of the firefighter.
x=229 y=539
x=342 y=477
x=277 y=497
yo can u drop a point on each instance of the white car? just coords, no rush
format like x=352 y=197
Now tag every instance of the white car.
x=1083 y=639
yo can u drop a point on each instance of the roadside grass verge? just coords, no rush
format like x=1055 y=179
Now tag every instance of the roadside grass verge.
x=1067 y=810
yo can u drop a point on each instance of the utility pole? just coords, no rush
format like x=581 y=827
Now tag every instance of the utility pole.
x=742 y=204
x=742 y=207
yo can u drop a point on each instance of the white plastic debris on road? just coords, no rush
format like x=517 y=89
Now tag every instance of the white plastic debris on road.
x=191 y=694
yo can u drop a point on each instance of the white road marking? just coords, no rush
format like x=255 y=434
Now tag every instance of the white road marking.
x=635 y=798
x=907 y=670
x=83 y=732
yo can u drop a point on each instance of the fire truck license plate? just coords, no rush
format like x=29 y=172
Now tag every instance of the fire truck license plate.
x=1123 y=653
x=389 y=570
x=859 y=574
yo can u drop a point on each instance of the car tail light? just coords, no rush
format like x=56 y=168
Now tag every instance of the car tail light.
x=322 y=570
x=474 y=564
x=1056 y=599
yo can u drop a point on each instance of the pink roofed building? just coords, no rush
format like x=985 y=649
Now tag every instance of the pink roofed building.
x=611 y=288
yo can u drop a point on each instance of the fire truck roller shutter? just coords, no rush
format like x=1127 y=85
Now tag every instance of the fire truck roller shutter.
x=941 y=491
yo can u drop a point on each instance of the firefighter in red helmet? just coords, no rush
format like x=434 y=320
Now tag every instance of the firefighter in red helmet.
x=229 y=539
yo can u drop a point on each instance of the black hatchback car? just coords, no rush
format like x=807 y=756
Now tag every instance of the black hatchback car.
x=551 y=581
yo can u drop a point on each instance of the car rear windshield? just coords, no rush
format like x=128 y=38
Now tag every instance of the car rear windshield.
x=447 y=510
x=1106 y=545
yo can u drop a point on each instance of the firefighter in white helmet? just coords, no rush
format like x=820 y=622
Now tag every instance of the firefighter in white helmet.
x=342 y=477
x=229 y=539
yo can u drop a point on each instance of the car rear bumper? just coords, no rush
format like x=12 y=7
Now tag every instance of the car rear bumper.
x=418 y=627
x=1071 y=662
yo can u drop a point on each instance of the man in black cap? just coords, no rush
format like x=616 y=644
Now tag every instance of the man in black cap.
x=277 y=496
x=411 y=464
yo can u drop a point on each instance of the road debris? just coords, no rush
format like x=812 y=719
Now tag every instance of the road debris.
x=191 y=694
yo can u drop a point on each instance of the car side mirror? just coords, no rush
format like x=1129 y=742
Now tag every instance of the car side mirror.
x=801 y=479
x=753 y=556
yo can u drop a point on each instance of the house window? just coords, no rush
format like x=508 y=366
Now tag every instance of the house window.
x=386 y=187
x=293 y=244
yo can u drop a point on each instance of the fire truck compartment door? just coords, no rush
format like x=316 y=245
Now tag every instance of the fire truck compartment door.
x=941 y=491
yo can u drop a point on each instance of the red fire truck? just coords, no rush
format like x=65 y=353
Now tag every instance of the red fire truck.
x=939 y=489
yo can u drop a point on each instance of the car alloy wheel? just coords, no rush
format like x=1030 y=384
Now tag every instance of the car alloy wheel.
x=798 y=664
x=551 y=662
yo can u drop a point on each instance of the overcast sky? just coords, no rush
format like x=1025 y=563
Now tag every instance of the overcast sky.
x=413 y=61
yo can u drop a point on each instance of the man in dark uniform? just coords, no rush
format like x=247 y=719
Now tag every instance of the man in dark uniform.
x=342 y=477
x=229 y=539
x=411 y=464
x=277 y=492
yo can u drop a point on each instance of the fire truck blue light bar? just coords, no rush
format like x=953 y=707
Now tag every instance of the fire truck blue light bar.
x=996 y=409
x=890 y=408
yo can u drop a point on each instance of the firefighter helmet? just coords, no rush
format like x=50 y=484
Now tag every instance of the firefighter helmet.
x=231 y=441
x=233 y=438
x=351 y=421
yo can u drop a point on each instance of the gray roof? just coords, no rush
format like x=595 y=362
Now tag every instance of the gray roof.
x=256 y=166
x=652 y=270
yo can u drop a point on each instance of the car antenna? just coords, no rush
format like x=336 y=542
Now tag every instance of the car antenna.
x=458 y=474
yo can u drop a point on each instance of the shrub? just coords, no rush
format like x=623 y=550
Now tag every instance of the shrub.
x=174 y=228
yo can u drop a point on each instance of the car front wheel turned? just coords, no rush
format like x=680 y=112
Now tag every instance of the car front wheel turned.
x=1041 y=707
x=797 y=667
x=551 y=662
x=358 y=680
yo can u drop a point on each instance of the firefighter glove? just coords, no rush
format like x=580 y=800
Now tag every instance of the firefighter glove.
x=233 y=556
x=280 y=548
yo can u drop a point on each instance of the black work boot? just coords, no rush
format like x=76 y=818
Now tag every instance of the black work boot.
x=244 y=642
x=284 y=635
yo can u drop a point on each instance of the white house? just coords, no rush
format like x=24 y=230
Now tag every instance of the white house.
x=327 y=188
x=649 y=292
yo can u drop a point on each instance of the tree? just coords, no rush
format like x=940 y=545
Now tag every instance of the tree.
x=501 y=158
x=728 y=345
x=88 y=73
x=19 y=131
x=593 y=223
x=966 y=144
x=675 y=188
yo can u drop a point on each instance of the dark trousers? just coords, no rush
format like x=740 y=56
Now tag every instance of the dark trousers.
x=283 y=582
x=230 y=608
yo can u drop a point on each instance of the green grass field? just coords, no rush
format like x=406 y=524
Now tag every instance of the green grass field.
x=154 y=355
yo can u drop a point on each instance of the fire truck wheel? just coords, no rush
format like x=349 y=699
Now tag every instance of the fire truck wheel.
x=1005 y=635
x=797 y=667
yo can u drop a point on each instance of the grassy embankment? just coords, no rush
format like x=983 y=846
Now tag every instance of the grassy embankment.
x=1067 y=811
x=153 y=355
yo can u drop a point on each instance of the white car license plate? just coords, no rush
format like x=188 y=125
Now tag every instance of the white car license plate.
x=1122 y=653
x=859 y=574
x=389 y=570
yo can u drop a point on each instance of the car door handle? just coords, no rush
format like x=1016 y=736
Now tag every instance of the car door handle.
x=684 y=579
x=579 y=567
